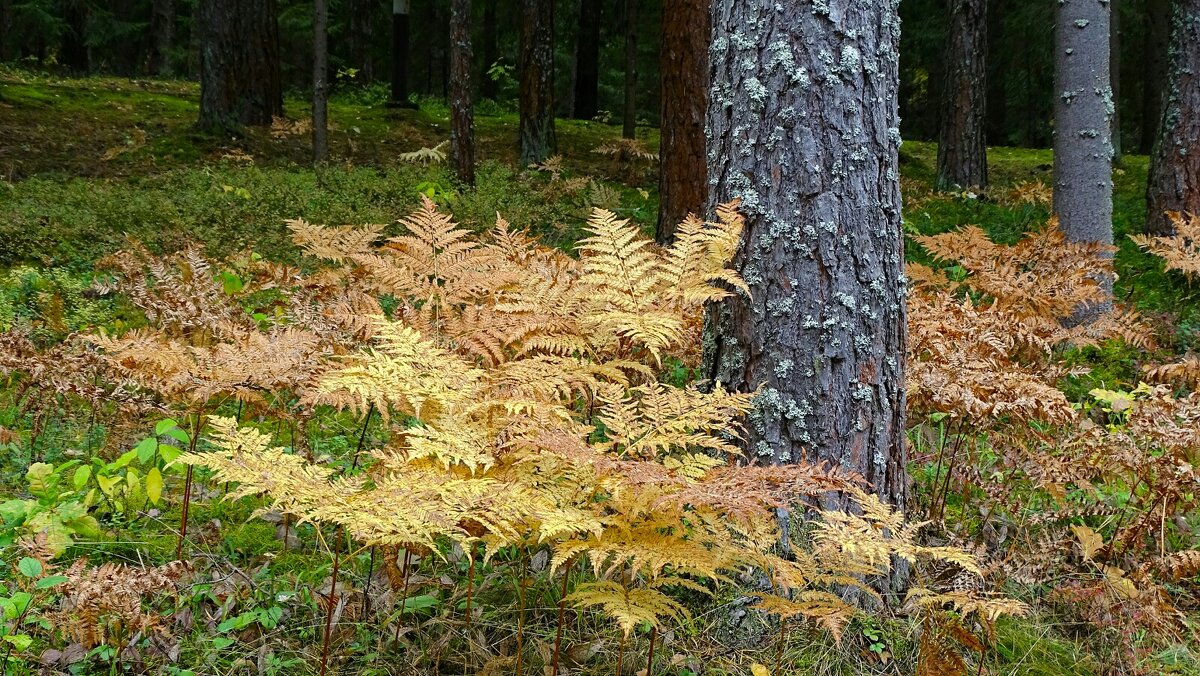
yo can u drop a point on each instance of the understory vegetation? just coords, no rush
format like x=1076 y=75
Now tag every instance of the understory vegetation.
x=257 y=418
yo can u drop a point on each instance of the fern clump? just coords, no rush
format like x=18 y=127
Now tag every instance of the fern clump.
x=521 y=390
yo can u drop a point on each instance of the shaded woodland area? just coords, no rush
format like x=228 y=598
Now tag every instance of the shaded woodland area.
x=599 y=337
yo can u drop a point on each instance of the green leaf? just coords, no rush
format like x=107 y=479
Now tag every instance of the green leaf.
x=52 y=581
x=122 y=461
x=169 y=453
x=179 y=435
x=222 y=642
x=82 y=475
x=29 y=567
x=146 y=449
x=20 y=641
x=107 y=483
x=163 y=425
x=154 y=485
x=418 y=603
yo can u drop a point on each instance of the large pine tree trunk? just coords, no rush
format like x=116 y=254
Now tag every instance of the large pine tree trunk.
x=1175 y=163
x=1082 y=126
x=537 y=141
x=803 y=127
x=462 y=121
x=363 y=14
x=587 y=61
x=490 y=52
x=1154 y=75
x=683 y=68
x=629 y=118
x=962 y=138
x=239 y=63
x=162 y=36
x=320 y=121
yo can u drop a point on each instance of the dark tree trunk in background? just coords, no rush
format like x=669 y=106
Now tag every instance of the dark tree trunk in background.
x=162 y=36
x=683 y=69
x=1082 y=124
x=537 y=141
x=490 y=53
x=962 y=138
x=6 y=37
x=400 y=54
x=320 y=105
x=1114 y=77
x=1174 y=183
x=239 y=63
x=1154 y=77
x=998 y=59
x=74 y=52
x=462 y=121
x=587 y=61
x=629 y=118
x=363 y=14
x=811 y=147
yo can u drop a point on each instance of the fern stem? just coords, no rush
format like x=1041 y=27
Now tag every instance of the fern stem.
x=621 y=653
x=332 y=601
x=367 y=585
x=187 y=490
x=650 y=659
x=562 y=612
x=403 y=594
x=521 y=615
x=779 y=650
x=470 y=583
x=362 y=436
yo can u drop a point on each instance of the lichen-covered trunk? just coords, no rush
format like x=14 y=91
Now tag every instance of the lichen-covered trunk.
x=320 y=104
x=1114 y=79
x=1154 y=74
x=587 y=62
x=462 y=116
x=1083 y=109
x=803 y=128
x=162 y=36
x=536 y=128
x=962 y=138
x=683 y=70
x=1174 y=183
x=239 y=63
x=629 y=117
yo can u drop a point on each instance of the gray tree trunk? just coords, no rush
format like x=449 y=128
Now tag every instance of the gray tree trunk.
x=462 y=114
x=962 y=138
x=239 y=63
x=1114 y=79
x=320 y=108
x=536 y=128
x=1174 y=183
x=1083 y=108
x=803 y=128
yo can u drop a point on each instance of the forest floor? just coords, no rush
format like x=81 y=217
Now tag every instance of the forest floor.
x=88 y=165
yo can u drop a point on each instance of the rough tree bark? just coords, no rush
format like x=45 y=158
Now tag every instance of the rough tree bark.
x=1082 y=126
x=1154 y=77
x=629 y=118
x=361 y=35
x=400 y=55
x=587 y=62
x=320 y=105
x=803 y=128
x=239 y=63
x=462 y=120
x=1174 y=183
x=1114 y=77
x=683 y=70
x=490 y=52
x=536 y=127
x=162 y=36
x=962 y=138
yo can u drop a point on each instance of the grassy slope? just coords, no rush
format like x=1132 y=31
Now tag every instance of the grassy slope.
x=86 y=164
